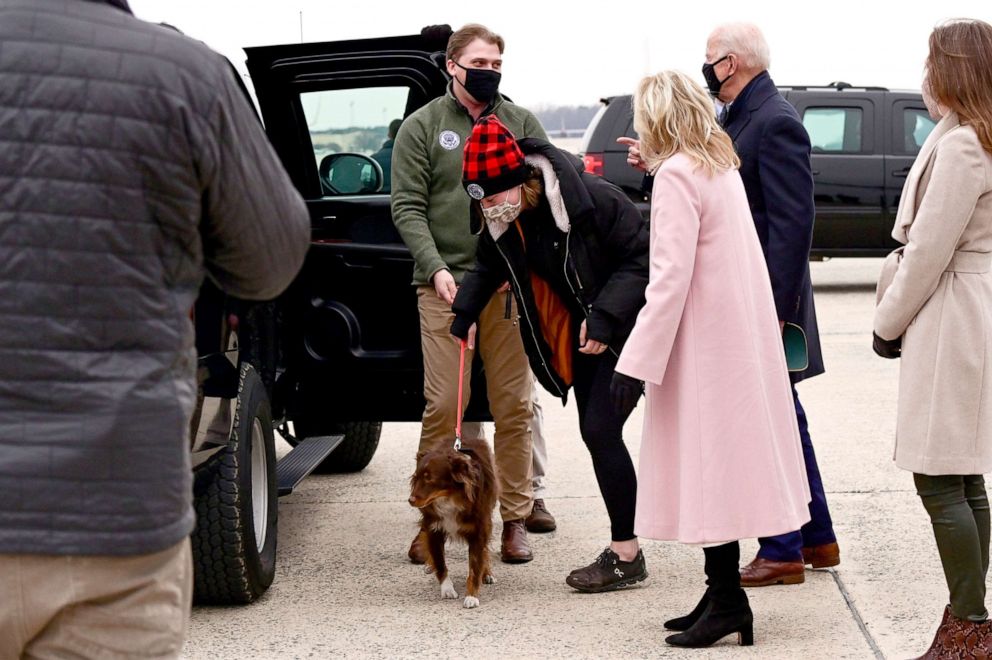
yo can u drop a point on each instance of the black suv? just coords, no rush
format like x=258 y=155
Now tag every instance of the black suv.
x=864 y=141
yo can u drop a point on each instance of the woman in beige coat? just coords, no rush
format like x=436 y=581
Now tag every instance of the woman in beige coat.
x=939 y=306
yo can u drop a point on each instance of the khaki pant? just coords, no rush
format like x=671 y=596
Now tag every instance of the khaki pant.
x=78 y=606
x=509 y=382
x=540 y=445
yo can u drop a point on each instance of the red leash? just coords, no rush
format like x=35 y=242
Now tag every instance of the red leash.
x=461 y=386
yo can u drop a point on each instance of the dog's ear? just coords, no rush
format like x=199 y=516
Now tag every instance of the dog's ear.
x=463 y=471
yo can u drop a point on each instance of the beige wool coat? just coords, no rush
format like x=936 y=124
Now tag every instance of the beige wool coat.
x=940 y=303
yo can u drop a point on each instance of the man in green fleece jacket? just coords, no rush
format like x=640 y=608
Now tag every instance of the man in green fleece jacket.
x=431 y=212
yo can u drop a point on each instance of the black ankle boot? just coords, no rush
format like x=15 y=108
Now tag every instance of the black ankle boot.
x=685 y=622
x=716 y=623
x=726 y=610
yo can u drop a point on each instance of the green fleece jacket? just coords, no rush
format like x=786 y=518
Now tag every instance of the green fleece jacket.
x=430 y=207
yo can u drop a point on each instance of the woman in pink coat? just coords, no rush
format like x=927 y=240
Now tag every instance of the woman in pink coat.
x=720 y=456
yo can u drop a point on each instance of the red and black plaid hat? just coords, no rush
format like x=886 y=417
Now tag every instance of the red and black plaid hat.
x=493 y=162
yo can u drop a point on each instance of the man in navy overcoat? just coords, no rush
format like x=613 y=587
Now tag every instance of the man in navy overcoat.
x=774 y=149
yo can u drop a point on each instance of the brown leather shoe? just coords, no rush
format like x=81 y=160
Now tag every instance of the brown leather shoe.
x=765 y=572
x=822 y=556
x=540 y=519
x=418 y=551
x=515 y=549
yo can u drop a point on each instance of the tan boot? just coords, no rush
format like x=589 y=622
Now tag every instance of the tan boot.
x=540 y=519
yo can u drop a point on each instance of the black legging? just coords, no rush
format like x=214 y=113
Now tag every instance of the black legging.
x=602 y=431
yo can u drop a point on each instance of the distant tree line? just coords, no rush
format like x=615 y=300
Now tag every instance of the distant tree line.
x=567 y=117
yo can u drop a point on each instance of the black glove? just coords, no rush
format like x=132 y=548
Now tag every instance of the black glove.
x=886 y=348
x=625 y=391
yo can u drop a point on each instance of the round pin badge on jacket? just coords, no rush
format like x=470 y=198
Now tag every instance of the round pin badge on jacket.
x=475 y=191
x=449 y=140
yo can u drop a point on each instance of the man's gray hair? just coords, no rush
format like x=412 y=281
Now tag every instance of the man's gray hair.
x=744 y=40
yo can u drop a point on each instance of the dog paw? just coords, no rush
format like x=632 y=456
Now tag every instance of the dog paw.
x=489 y=578
x=471 y=602
x=447 y=589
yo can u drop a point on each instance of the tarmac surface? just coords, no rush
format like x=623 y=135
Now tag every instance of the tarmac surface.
x=344 y=587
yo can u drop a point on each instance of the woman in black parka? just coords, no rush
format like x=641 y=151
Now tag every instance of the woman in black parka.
x=574 y=249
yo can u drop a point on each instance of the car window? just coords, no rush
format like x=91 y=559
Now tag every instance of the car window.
x=916 y=128
x=834 y=129
x=352 y=133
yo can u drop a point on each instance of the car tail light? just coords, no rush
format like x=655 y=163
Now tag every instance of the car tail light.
x=593 y=163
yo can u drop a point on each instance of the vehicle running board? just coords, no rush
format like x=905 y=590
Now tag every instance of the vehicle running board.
x=304 y=459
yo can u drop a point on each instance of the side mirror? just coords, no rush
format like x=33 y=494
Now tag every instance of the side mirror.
x=350 y=174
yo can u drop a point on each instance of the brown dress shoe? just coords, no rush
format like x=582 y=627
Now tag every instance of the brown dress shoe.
x=515 y=549
x=764 y=572
x=822 y=556
x=540 y=519
x=418 y=551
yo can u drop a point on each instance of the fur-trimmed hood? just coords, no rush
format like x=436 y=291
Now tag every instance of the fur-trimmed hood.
x=577 y=202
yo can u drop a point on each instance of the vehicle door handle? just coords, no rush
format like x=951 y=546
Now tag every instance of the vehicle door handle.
x=816 y=172
x=901 y=174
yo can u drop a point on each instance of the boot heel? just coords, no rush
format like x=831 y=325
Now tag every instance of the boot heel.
x=745 y=636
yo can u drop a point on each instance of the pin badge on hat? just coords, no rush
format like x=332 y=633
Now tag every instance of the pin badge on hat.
x=475 y=191
x=449 y=140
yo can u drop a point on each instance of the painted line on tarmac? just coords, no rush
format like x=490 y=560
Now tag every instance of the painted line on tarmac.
x=857 y=615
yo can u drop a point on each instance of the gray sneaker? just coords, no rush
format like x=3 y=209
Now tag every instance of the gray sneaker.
x=608 y=573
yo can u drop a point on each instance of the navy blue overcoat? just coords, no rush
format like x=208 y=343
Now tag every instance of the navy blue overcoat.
x=774 y=149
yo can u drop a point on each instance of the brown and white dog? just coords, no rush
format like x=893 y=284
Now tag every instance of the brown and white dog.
x=456 y=492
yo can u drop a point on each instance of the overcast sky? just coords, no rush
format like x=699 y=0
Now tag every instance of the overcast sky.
x=559 y=54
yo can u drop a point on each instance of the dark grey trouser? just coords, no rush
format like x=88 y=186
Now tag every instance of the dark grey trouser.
x=959 y=512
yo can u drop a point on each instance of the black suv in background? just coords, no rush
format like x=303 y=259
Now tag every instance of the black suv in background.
x=864 y=141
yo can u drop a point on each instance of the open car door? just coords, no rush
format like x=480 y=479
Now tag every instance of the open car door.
x=350 y=334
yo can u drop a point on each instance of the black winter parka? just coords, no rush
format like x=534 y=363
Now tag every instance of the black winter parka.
x=599 y=267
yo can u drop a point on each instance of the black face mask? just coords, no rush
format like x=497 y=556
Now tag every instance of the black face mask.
x=481 y=84
x=712 y=82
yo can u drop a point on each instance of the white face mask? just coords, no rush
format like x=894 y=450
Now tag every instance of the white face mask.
x=505 y=211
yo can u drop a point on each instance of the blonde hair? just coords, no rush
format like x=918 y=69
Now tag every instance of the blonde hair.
x=532 y=190
x=959 y=72
x=672 y=114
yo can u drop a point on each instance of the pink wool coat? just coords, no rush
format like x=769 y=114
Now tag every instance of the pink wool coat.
x=720 y=455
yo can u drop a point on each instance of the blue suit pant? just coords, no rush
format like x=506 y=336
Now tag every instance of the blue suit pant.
x=820 y=529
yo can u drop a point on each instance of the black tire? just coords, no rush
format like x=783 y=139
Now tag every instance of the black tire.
x=229 y=567
x=361 y=439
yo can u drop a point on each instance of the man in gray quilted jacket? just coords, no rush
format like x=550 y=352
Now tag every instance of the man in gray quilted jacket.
x=131 y=164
